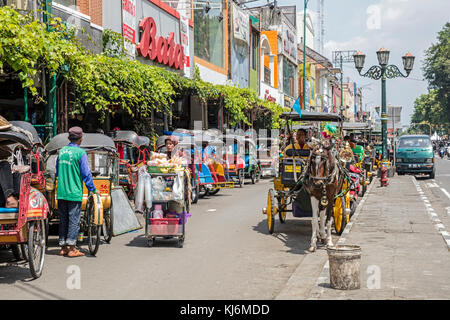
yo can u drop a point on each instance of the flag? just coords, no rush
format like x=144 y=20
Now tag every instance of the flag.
x=297 y=108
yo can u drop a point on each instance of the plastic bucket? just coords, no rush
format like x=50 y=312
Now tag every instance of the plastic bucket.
x=345 y=264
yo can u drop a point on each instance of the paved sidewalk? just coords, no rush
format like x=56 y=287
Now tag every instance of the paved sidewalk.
x=403 y=255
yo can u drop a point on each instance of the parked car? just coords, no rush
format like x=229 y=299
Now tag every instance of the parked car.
x=415 y=155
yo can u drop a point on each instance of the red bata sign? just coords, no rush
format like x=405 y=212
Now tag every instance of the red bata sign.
x=163 y=50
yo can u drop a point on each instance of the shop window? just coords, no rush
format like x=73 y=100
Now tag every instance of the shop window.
x=208 y=35
x=255 y=51
x=288 y=77
x=67 y=3
x=267 y=75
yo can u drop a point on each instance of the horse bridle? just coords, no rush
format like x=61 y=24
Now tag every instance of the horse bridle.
x=318 y=159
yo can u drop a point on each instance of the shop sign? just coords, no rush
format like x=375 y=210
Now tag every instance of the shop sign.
x=289 y=43
x=160 y=49
x=129 y=26
x=269 y=97
x=288 y=102
x=185 y=42
x=240 y=24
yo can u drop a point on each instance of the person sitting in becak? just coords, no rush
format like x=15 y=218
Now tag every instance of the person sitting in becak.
x=300 y=144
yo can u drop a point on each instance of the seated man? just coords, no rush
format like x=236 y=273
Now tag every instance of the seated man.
x=9 y=185
x=300 y=143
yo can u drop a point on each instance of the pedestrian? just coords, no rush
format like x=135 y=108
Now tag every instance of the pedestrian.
x=72 y=168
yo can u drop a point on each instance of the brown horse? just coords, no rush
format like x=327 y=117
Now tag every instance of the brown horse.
x=323 y=181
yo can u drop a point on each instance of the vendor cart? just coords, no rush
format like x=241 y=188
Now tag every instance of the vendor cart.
x=166 y=218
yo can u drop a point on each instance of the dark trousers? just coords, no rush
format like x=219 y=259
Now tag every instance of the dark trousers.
x=9 y=182
x=69 y=221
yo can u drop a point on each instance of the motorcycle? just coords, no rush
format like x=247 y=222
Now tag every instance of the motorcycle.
x=442 y=152
x=355 y=187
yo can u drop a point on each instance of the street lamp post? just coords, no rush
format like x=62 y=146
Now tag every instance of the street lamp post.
x=305 y=4
x=383 y=71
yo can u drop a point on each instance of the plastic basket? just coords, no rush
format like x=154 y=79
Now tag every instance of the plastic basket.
x=152 y=169
x=165 y=226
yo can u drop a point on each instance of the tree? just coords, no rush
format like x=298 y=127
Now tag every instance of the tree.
x=437 y=69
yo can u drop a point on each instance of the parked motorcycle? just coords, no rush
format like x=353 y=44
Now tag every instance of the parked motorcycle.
x=355 y=187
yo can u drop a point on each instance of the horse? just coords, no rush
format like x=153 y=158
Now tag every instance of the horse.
x=322 y=182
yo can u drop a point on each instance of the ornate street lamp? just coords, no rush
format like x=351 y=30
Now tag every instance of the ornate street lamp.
x=383 y=57
x=382 y=71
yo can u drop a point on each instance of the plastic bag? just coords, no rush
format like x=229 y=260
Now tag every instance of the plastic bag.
x=177 y=190
x=140 y=192
x=158 y=186
x=148 y=193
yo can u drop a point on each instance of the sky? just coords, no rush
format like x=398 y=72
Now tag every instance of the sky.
x=400 y=26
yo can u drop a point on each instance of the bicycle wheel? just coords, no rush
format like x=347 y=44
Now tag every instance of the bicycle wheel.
x=94 y=231
x=107 y=226
x=36 y=247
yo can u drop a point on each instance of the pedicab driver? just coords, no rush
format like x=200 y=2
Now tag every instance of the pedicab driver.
x=72 y=168
x=300 y=144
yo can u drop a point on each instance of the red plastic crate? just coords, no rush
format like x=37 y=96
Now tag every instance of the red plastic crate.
x=165 y=226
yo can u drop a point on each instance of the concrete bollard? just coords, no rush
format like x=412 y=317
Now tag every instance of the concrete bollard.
x=345 y=264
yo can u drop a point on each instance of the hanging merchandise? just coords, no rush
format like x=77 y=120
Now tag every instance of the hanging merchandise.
x=140 y=190
x=158 y=187
x=148 y=194
x=177 y=191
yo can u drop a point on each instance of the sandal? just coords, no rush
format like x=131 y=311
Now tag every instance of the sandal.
x=64 y=251
x=75 y=253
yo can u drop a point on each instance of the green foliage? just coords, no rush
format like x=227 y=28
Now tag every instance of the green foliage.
x=437 y=69
x=113 y=45
x=110 y=81
x=428 y=108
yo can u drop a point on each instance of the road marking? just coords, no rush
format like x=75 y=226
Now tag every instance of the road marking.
x=432 y=185
x=434 y=217
x=446 y=193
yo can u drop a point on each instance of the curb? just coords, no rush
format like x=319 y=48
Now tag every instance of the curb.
x=438 y=225
x=324 y=277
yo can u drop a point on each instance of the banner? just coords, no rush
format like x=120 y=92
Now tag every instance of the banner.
x=186 y=43
x=129 y=26
x=241 y=25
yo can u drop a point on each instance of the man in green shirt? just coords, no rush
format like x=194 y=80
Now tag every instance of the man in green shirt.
x=72 y=168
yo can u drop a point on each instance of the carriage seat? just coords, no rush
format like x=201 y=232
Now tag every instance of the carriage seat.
x=297 y=153
x=8 y=213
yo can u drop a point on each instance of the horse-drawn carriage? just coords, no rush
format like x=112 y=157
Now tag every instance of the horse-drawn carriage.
x=312 y=182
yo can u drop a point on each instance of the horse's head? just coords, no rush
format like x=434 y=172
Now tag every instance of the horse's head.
x=320 y=164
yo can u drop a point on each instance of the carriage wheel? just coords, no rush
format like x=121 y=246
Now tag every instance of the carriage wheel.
x=241 y=175
x=24 y=248
x=340 y=218
x=253 y=176
x=36 y=247
x=94 y=230
x=203 y=192
x=258 y=174
x=107 y=226
x=364 y=186
x=271 y=210
x=214 y=191
x=194 y=194
x=17 y=252
x=282 y=209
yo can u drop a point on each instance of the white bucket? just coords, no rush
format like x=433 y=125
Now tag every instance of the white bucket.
x=345 y=264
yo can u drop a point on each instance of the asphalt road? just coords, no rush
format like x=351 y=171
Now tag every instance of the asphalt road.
x=227 y=254
x=438 y=190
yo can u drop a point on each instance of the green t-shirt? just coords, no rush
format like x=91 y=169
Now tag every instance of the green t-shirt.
x=70 y=182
